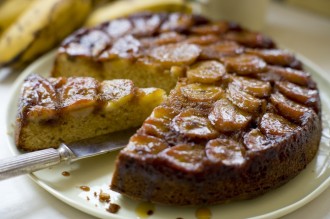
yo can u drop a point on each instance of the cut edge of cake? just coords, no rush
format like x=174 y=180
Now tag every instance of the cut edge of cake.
x=56 y=110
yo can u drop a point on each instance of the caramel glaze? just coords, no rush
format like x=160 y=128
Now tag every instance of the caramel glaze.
x=85 y=188
x=65 y=173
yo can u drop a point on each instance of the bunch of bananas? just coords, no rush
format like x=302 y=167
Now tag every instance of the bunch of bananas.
x=29 y=28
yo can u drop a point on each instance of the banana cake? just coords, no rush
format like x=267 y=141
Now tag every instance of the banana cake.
x=242 y=116
x=55 y=110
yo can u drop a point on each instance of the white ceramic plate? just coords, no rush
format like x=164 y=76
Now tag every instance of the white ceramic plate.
x=96 y=173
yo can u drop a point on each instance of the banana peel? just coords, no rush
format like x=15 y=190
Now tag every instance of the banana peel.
x=39 y=28
x=126 y=7
x=10 y=11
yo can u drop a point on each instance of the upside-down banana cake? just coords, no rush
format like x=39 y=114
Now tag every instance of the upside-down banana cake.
x=242 y=119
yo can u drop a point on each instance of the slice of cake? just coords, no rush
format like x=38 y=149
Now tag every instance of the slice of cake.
x=56 y=110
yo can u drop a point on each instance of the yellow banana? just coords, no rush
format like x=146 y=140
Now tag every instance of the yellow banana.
x=39 y=28
x=125 y=7
x=10 y=10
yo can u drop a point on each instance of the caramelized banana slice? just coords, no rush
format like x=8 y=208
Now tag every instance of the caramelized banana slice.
x=244 y=100
x=116 y=92
x=215 y=28
x=206 y=72
x=227 y=118
x=185 y=157
x=57 y=82
x=159 y=121
x=220 y=49
x=144 y=27
x=177 y=22
x=292 y=75
x=244 y=64
x=203 y=39
x=175 y=54
x=155 y=127
x=190 y=124
x=150 y=96
x=256 y=141
x=116 y=89
x=142 y=145
x=275 y=56
x=163 y=113
x=125 y=47
x=297 y=93
x=162 y=39
x=170 y=37
x=226 y=151
x=40 y=94
x=268 y=76
x=252 y=86
x=250 y=39
x=78 y=93
x=92 y=43
x=289 y=109
x=272 y=124
x=118 y=28
x=201 y=92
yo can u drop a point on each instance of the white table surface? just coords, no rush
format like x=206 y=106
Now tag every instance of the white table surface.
x=297 y=29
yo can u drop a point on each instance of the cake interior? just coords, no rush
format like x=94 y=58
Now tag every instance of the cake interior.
x=118 y=105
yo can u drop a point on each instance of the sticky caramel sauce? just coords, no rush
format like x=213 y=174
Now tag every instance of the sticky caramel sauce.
x=203 y=213
x=145 y=209
x=113 y=208
x=104 y=197
x=85 y=188
x=66 y=173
